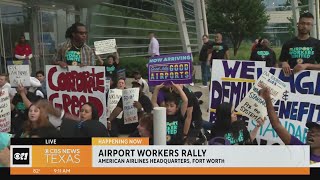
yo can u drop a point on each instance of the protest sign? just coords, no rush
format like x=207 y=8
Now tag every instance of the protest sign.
x=113 y=99
x=5 y=111
x=174 y=67
x=105 y=46
x=230 y=82
x=19 y=74
x=298 y=104
x=130 y=112
x=253 y=106
x=70 y=88
x=107 y=85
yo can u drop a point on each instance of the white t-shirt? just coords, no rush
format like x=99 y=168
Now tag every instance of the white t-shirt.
x=154 y=47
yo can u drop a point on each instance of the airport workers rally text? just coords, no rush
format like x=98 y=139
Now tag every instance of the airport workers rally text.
x=161 y=156
x=152 y=152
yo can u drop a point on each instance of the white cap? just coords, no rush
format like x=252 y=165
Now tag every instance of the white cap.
x=34 y=82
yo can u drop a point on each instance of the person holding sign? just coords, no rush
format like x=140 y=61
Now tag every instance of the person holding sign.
x=175 y=115
x=227 y=126
x=23 y=50
x=313 y=135
x=143 y=105
x=111 y=65
x=75 y=52
x=301 y=52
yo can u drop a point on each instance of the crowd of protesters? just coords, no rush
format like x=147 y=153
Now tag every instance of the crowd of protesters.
x=32 y=116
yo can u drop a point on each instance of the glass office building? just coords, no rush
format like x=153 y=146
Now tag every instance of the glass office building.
x=44 y=23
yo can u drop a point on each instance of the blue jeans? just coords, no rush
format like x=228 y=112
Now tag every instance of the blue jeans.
x=205 y=71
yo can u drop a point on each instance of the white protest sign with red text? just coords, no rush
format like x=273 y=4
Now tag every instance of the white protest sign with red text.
x=70 y=88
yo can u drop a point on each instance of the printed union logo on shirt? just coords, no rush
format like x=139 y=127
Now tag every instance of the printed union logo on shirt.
x=73 y=56
x=301 y=52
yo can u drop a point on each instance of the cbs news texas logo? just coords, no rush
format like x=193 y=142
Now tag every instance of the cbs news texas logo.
x=20 y=156
x=50 y=156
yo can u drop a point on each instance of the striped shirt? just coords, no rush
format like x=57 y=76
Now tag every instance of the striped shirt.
x=86 y=58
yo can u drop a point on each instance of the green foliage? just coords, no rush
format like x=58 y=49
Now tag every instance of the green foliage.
x=134 y=63
x=237 y=19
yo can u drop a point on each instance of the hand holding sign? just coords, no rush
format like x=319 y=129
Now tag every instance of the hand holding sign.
x=300 y=67
x=253 y=106
x=260 y=122
x=286 y=68
x=137 y=105
x=20 y=89
x=176 y=86
x=265 y=93
x=159 y=86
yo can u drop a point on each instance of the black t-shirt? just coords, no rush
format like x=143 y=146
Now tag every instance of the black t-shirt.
x=264 y=54
x=175 y=129
x=236 y=134
x=111 y=70
x=42 y=132
x=68 y=128
x=91 y=128
x=219 y=50
x=204 y=51
x=143 y=100
x=196 y=113
x=73 y=56
x=297 y=51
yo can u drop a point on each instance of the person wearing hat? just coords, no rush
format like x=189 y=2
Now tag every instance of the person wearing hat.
x=138 y=78
x=313 y=135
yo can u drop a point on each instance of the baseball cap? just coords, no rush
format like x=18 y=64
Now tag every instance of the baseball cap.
x=313 y=124
x=34 y=82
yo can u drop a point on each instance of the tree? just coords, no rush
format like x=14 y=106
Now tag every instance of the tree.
x=237 y=19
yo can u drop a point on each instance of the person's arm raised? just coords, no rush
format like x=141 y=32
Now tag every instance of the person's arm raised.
x=154 y=97
x=274 y=120
x=184 y=99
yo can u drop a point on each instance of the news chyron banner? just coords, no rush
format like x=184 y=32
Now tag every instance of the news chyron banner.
x=124 y=156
